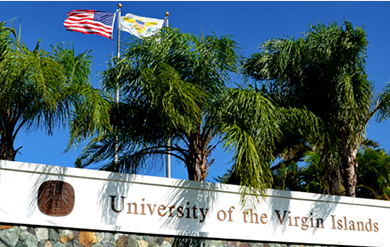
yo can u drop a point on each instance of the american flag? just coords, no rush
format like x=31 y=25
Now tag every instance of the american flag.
x=90 y=22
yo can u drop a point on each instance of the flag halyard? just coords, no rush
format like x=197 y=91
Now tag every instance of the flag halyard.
x=91 y=22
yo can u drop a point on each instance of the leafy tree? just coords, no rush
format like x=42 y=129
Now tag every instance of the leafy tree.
x=374 y=173
x=287 y=177
x=323 y=72
x=314 y=174
x=173 y=86
x=168 y=84
x=309 y=176
x=39 y=89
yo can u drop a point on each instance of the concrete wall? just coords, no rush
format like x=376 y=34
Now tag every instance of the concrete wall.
x=50 y=206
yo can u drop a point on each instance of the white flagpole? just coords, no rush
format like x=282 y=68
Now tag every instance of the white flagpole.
x=117 y=85
x=168 y=168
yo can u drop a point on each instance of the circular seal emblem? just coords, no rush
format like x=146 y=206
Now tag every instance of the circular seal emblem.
x=56 y=198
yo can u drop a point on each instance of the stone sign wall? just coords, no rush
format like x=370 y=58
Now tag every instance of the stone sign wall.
x=28 y=236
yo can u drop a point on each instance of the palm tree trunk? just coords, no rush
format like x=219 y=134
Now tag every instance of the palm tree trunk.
x=350 y=166
x=197 y=168
x=7 y=150
x=196 y=161
x=335 y=180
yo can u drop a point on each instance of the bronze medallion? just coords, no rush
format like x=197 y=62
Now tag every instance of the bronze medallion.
x=56 y=198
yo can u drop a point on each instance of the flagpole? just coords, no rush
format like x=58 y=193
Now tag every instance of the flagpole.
x=118 y=54
x=117 y=84
x=166 y=18
x=168 y=168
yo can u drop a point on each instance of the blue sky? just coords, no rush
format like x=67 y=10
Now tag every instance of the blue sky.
x=249 y=22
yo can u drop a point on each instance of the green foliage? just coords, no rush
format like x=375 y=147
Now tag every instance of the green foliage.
x=249 y=127
x=314 y=175
x=308 y=177
x=169 y=84
x=322 y=72
x=252 y=128
x=87 y=107
x=173 y=85
x=314 y=97
x=374 y=173
x=40 y=89
x=287 y=178
x=224 y=179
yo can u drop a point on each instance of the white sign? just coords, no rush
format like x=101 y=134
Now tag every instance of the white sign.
x=87 y=199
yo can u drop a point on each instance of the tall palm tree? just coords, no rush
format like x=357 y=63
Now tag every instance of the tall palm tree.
x=168 y=84
x=44 y=90
x=173 y=86
x=323 y=72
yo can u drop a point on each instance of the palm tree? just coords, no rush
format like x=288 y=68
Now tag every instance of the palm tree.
x=374 y=173
x=323 y=72
x=168 y=85
x=173 y=86
x=44 y=90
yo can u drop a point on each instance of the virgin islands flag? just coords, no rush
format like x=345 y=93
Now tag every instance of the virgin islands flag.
x=140 y=26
